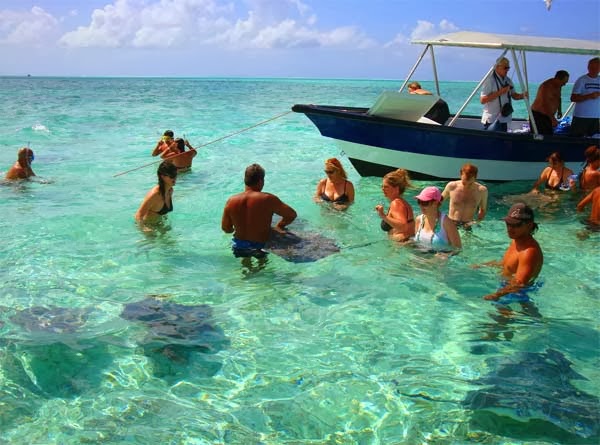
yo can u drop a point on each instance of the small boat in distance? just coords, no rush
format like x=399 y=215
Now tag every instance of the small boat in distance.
x=395 y=133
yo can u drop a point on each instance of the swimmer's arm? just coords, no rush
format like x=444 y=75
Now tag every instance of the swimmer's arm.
x=483 y=205
x=494 y=263
x=226 y=221
x=288 y=215
x=453 y=235
x=350 y=192
x=509 y=288
x=585 y=201
x=146 y=206
x=320 y=190
x=157 y=149
x=543 y=176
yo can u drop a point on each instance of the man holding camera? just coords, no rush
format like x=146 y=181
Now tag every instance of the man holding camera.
x=496 y=95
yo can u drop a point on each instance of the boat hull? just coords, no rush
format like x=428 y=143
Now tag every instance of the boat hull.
x=377 y=145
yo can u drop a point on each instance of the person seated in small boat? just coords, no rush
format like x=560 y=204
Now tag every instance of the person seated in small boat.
x=589 y=178
x=178 y=156
x=21 y=169
x=398 y=222
x=440 y=112
x=159 y=200
x=335 y=188
x=163 y=143
x=468 y=198
x=434 y=231
x=555 y=176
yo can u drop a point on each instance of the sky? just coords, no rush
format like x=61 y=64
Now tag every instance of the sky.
x=359 y=39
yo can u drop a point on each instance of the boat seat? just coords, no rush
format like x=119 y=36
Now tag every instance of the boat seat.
x=407 y=107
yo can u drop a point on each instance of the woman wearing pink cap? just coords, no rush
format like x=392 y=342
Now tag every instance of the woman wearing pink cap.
x=433 y=229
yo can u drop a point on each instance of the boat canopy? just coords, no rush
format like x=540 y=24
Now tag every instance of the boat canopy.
x=469 y=39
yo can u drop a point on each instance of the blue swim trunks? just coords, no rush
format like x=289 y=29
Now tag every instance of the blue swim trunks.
x=522 y=296
x=246 y=249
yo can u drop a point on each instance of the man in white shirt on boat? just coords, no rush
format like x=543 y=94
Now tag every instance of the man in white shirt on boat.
x=468 y=198
x=496 y=94
x=586 y=95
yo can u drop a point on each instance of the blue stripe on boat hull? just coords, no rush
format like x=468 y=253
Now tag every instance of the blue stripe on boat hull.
x=355 y=126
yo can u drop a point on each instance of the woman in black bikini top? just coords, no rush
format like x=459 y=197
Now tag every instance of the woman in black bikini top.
x=554 y=177
x=336 y=188
x=398 y=222
x=159 y=200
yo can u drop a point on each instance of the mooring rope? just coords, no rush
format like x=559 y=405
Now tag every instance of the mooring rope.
x=208 y=143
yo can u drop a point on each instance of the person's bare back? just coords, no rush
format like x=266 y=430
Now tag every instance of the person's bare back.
x=248 y=215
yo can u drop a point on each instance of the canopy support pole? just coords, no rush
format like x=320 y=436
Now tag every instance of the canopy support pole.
x=414 y=68
x=525 y=89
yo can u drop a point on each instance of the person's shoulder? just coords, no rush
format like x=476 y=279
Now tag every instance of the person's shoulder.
x=481 y=187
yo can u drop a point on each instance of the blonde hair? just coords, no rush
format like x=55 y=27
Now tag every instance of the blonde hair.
x=336 y=164
x=398 y=178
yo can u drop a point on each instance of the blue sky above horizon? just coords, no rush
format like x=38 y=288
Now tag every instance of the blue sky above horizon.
x=275 y=38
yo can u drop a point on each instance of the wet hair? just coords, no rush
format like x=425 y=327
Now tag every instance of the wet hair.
x=336 y=164
x=561 y=75
x=169 y=133
x=414 y=86
x=24 y=153
x=470 y=170
x=253 y=175
x=165 y=168
x=398 y=178
x=180 y=144
x=592 y=153
x=555 y=156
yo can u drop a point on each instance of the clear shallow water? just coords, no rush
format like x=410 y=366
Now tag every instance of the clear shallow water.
x=376 y=344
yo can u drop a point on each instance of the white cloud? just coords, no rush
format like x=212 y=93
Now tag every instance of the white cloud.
x=33 y=28
x=171 y=23
x=427 y=30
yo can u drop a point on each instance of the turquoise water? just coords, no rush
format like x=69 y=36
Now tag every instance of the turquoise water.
x=375 y=344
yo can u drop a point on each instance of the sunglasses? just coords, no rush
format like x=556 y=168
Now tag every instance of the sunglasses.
x=514 y=225
x=329 y=172
x=423 y=203
x=170 y=175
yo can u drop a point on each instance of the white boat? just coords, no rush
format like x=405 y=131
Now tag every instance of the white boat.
x=394 y=132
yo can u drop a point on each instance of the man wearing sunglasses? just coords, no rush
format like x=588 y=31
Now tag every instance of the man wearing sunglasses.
x=523 y=259
x=22 y=168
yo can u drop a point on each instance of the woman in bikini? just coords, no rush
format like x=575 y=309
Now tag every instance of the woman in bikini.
x=434 y=231
x=398 y=222
x=159 y=200
x=555 y=176
x=335 y=188
x=589 y=178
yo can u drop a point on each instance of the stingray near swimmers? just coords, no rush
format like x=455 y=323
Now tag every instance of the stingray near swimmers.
x=51 y=319
x=175 y=330
x=301 y=246
x=535 y=388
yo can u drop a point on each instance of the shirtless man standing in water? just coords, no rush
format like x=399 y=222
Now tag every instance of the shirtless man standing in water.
x=523 y=259
x=248 y=215
x=467 y=198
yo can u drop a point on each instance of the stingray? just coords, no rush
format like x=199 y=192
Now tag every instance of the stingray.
x=301 y=247
x=51 y=319
x=174 y=328
x=537 y=386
